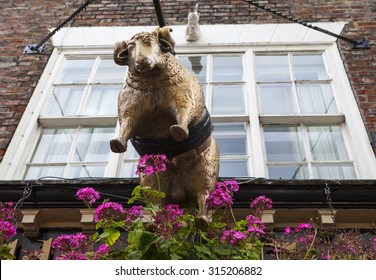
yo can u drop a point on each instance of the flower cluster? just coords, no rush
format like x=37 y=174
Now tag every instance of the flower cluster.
x=222 y=195
x=134 y=213
x=72 y=247
x=88 y=196
x=260 y=204
x=255 y=226
x=168 y=220
x=7 y=211
x=150 y=164
x=234 y=237
x=7 y=229
x=108 y=211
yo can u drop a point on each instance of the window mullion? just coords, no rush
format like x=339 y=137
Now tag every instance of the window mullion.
x=255 y=142
x=307 y=150
x=72 y=151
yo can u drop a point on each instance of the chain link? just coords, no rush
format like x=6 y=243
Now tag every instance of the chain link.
x=28 y=189
x=329 y=200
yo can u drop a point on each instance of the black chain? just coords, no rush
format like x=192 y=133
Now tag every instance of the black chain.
x=38 y=48
x=28 y=189
x=329 y=200
x=356 y=44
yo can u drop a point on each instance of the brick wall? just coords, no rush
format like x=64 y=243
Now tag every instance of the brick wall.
x=25 y=22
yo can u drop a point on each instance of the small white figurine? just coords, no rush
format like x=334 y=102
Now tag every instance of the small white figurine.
x=193 y=32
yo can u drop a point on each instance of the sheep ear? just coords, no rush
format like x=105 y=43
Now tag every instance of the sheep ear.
x=121 y=53
x=166 y=42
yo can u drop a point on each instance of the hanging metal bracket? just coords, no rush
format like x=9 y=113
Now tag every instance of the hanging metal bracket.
x=356 y=44
x=38 y=48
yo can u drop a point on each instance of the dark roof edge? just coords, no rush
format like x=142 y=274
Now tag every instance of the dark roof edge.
x=284 y=193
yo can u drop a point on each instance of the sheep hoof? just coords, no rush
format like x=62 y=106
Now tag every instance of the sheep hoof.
x=178 y=132
x=117 y=146
x=202 y=223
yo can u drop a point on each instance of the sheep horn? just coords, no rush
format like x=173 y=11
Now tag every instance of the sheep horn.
x=121 y=53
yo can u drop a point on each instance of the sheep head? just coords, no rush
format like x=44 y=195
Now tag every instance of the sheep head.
x=145 y=50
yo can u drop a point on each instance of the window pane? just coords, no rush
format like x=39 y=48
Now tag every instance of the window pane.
x=195 y=64
x=64 y=101
x=288 y=172
x=227 y=69
x=231 y=138
x=233 y=168
x=75 y=71
x=37 y=172
x=276 y=99
x=102 y=100
x=337 y=171
x=228 y=100
x=327 y=143
x=129 y=170
x=272 y=68
x=54 y=145
x=317 y=99
x=309 y=67
x=93 y=144
x=284 y=144
x=109 y=72
x=86 y=171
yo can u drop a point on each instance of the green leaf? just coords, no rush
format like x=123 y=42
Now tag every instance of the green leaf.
x=112 y=236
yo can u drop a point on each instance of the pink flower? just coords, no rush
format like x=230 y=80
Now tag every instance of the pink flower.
x=222 y=195
x=235 y=238
x=88 y=195
x=72 y=256
x=7 y=211
x=168 y=220
x=7 y=231
x=67 y=242
x=108 y=211
x=102 y=251
x=255 y=226
x=261 y=203
x=134 y=213
x=287 y=230
x=150 y=164
x=325 y=257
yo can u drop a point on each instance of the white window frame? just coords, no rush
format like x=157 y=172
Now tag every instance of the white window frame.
x=248 y=39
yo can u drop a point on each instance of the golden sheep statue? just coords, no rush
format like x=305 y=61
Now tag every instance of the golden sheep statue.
x=161 y=110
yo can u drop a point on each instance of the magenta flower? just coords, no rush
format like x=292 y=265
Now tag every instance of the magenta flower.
x=168 y=220
x=326 y=257
x=255 y=226
x=67 y=242
x=261 y=203
x=87 y=195
x=134 y=213
x=222 y=195
x=150 y=164
x=235 y=238
x=7 y=231
x=102 y=251
x=302 y=226
x=287 y=230
x=7 y=211
x=72 y=256
x=108 y=211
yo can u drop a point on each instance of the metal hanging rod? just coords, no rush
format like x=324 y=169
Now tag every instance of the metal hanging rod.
x=38 y=48
x=158 y=11
x=356 y=44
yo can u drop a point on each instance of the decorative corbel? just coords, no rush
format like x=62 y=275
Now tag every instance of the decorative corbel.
x=87 y=221
x=30 y=222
